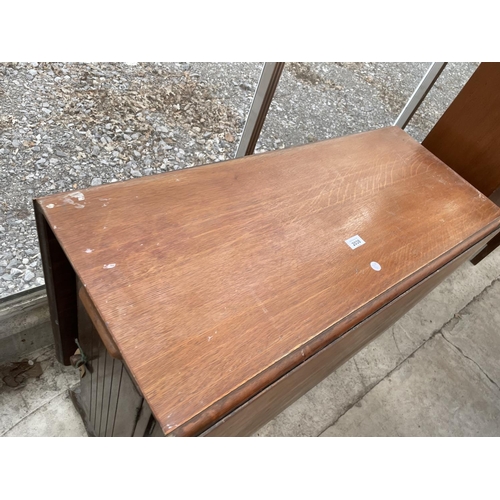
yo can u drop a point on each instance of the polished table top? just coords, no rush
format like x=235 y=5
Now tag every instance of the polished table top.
x=215 y=281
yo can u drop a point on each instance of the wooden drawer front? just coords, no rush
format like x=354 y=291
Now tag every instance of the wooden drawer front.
x=111 y=402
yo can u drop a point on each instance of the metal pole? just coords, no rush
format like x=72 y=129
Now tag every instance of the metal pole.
x=421 y=91
x=268 y=82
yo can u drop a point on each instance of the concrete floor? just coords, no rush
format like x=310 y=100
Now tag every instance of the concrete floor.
x=434 y=373
x=41 y=407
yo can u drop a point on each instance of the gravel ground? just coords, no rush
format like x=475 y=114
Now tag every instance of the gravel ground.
x=67 y=126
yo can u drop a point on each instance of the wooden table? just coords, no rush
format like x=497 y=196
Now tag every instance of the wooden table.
x=207 y=300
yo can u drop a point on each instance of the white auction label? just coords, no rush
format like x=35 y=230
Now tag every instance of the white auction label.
x=355 y=241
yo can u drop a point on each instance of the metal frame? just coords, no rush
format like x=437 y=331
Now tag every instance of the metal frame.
x=262 y=99
x=266 y=88
x=421 y=91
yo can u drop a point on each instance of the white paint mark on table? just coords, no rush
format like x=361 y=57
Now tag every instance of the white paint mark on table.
x=71 y=202
x=89 y=250
x=108 y=266
x=375 y=266
x=50 y=205
x=78 y=196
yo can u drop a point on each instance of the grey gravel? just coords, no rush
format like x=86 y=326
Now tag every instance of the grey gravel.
x=67 y=126
x=29 y=275
x=12 y=263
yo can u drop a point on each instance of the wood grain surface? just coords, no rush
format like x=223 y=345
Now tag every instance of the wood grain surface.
x=215 y=281
x=267 y=404
x=466 y=137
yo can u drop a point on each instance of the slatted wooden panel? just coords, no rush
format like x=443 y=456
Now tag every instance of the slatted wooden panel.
x=108 y=396
x=106 y=402
x=86 y=340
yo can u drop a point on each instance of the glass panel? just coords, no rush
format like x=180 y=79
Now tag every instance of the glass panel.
x=67 y=126
x=316 y=101
x=446 y=88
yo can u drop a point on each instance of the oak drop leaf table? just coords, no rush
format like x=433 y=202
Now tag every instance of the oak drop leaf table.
x=207 y=300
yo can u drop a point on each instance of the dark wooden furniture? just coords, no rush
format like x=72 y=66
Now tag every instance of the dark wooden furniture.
x=211 y=298
x=467 y=136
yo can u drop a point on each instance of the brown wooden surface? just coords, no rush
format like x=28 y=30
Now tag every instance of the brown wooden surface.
x=467 y=136
x=214 y=282
x=267 y=404
x=61 y=290
x=494 y=243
